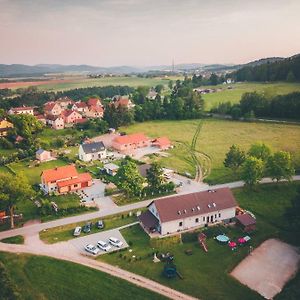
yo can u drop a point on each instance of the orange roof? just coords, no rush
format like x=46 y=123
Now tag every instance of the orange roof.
x=98 y=109
x=84 y=177
x=131 y=138
x=81 y=104
x=162 y=141
x=59 y=173
x=49 y=105
x=94 y=102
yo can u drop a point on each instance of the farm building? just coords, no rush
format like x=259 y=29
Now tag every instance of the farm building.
x=190 y=211
x=64 y=179
x=92 y=151
x=130 y=142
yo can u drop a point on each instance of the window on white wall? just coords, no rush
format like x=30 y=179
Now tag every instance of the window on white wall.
x=180 y=223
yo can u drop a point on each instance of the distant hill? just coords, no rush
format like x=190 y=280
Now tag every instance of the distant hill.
x=270 y=69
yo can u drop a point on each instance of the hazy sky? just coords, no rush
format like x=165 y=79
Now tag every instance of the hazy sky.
x=147 y=32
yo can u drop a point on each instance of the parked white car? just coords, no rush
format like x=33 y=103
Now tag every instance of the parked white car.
x=103 y=246
x=92 y=249
x=77 y=231
x=115 y=242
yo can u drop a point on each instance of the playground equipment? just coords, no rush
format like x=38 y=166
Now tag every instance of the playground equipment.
x=202 y=241
x=155 y=258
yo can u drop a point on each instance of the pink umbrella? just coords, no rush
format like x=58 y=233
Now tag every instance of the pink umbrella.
x=232 y=244
x=241 y=240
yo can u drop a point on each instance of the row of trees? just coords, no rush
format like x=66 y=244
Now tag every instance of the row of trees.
x=259 y=105
x=282 y=70
x=259 y=162
x=134 y=185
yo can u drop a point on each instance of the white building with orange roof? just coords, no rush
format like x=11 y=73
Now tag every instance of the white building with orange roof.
x=64 y=180
x=127 y=143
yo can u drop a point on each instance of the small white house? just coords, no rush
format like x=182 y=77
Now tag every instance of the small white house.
x=190 y=211
x=92 y=151
x=111 y=169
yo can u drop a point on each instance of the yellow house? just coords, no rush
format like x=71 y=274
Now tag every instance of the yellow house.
x=4 y=127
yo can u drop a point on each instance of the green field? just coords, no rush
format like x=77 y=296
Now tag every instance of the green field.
x=215 y=138
x=206 y=274
x=100 y=82
x=234 y=95
x=38 y=277
x=18 y=239
x=33 y=173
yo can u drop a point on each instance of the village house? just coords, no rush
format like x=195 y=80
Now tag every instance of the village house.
x=190 y=211
x=56 y=122
x=111 y=169
x=94 y=102
x=64 y=180
x=5 y=126
x=152 y=94
x=95 y=112
x=123 y=102
x=70 y=116
x=162 y=143
x=52 y=108
x=80 y=107
x=41 y=118
x=43 y=155
x=127 y=143
x=21 y=110
x=65 y=102
x=92 y=151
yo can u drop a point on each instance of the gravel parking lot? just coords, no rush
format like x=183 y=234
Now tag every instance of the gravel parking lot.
x=80 y=242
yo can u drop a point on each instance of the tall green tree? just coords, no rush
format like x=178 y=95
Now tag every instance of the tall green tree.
x=260 y=151
x=13 y=190
x=234 y=158
x=155 y=177
x=280 y=166
x=129 y=179
x=252 y=171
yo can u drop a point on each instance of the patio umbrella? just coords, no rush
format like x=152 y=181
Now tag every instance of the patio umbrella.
x=232 y=244
x=241 y=240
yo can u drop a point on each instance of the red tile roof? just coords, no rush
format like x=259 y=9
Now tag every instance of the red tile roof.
x=49 y=105
x=22 y=108
x=94 y=102
x=162 y=142
x=97 y=109
x=246 y=219
x=83 y=120
x=184 y=206
x=84 y=177
x=131 y=138
x=59 y=173
x=81 y=104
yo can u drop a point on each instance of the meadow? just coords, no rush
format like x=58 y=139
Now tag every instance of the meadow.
x=206 y=275
x=215 y=138
x=39 y=277
x=238 y=89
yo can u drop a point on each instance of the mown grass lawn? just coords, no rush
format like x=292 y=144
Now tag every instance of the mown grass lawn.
x=234 y=95
x=216 y=136
x=38 y=277
x=206 y=275
x=18 y=239
x=65 y=233
x=33 y=173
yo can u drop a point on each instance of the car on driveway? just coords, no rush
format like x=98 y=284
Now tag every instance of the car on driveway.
x=87 y=227
x=77 y=231
x=115 y=242
x=103 y=246
x=92 y=249
x=100 y=224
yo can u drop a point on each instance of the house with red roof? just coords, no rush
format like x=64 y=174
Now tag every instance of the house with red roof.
x=71 y=116
x=189 y=211
x=21 y=110
x=64 y=180
x=94 y=112
x=122 y=101
x=80 y=107
x=52 y=108
x=64 y=102
x=128 y=143
x=56 y=122
x=94 y=102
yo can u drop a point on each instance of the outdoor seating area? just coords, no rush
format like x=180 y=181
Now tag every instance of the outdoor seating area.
x=224 y=239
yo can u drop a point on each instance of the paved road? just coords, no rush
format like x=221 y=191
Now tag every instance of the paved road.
x=34 y=228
